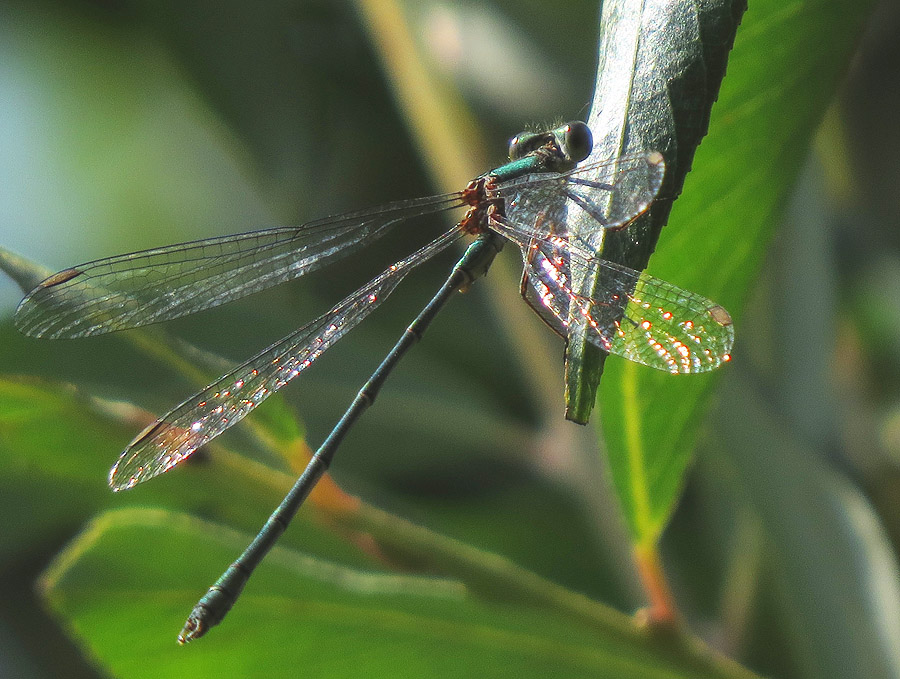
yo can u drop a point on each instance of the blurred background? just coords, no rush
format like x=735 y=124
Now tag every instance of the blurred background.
x=127 y=124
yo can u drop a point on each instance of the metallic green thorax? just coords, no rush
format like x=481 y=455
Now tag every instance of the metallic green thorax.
x=518 y=168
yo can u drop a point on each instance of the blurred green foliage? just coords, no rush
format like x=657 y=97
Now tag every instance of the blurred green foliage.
x=130 y=124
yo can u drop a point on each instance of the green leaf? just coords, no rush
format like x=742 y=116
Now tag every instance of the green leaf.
x=302 y=616
x=56 y=448
x=47 y=471
x=783 y=71
x=659 y=71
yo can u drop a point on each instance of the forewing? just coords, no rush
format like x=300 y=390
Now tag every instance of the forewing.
x=611 y=192
x=150 y=286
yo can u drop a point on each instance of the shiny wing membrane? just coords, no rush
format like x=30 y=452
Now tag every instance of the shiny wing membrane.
x=155 y=285
x=608 y=193
x=636 y=316
x=229 y=399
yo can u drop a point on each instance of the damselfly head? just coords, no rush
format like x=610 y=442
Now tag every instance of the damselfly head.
x=574 y=140
x=571 y=142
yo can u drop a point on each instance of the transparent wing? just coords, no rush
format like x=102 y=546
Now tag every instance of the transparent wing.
x=229 y=399
x=636 y=316
x=609 y=192
x=150 y=286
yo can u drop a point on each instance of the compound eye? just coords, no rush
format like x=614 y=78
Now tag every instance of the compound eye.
x=521 y=145
x=513 y=147
x=578 y=140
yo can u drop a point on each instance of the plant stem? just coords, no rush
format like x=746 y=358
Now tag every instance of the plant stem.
x=662 y=610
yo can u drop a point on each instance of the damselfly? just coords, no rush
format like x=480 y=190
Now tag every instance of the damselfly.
x=532 y=201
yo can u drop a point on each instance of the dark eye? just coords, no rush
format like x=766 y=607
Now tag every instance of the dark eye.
x=578 y=140
x=521 y=145
x=513 y=147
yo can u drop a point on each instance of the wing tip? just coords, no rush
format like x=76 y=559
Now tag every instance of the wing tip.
x=59 y=278
x=720 y=315
x=127 y=474
x=656 y=159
